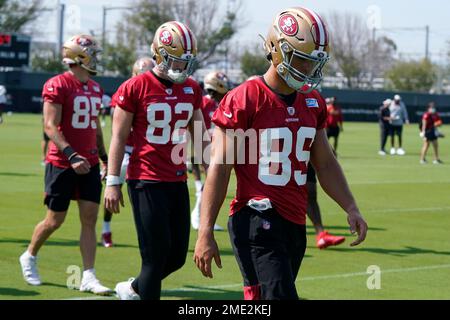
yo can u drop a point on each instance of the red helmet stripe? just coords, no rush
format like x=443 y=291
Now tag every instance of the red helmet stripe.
x=186 y=36
x=321 y=33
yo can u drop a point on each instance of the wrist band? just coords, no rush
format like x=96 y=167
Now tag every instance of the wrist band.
x=104 y=158
x=75 y=159
x=69 y=152
x=112 y=181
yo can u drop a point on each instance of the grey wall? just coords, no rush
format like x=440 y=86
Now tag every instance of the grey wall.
x=25 y=93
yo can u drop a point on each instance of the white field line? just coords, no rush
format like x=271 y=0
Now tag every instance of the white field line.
x=212 y=289
x=357 y=183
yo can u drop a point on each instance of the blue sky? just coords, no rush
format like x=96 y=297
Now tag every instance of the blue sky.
x=259 y=13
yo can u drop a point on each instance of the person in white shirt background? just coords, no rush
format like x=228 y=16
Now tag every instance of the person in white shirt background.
x=399 y=116
x=3 y=101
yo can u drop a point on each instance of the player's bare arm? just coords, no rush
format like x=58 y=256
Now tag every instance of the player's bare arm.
x=198 y=116
x=52 y=119
x=214 y=194
x=334 y=183
x=102 y=150
x=122 y=122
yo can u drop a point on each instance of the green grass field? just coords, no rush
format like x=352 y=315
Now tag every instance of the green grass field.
x=407 y=207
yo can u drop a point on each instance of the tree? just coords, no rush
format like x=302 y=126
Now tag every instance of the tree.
x=119 y=57
x=356 y=54
x=15 y=15
x=253 y=64
x=211 y=27
x=51 y=63
x=416 y=76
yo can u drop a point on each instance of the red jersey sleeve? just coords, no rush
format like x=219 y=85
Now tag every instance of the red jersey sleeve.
x=231 y=113
x=54 y=91
x=125 y=96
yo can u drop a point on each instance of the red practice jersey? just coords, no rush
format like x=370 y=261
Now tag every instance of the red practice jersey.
x=161 y=117
x=284 y=137
x=334 y=116
x=208 y=109
x=431 y=120
x=81 y=104
x=129 y=142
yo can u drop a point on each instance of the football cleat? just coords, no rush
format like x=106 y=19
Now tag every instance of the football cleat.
x=107 y=240
x=124 y=291
x=401 y=152
x=325 y=240
x=91 y=284
x=393 y=152
x=29 y=269
x=195 y=222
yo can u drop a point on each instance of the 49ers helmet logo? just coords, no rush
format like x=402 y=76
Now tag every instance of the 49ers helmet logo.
x=84 y=42
x=288 y=25
x=166 y=38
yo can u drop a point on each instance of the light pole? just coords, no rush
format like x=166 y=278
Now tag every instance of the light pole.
x=61 y=9
x=427 y=35
x=105 y=12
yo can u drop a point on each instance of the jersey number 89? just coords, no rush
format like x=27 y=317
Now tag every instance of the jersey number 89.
x=270 y=157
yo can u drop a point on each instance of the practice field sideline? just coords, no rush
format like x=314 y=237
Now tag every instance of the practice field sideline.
x=407 y=207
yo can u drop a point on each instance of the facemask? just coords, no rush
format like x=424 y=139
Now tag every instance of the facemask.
x=176 y=76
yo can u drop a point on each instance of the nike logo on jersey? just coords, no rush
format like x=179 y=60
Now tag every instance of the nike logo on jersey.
x=121 y=98
x=228 y=115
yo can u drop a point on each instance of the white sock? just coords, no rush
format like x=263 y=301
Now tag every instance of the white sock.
x=89 y=273
x=28 y=255
x=198 y=186
x=106 y=227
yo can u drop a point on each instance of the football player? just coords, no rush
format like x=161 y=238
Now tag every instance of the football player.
x=287 y=117
x=431 y=121
x=159 y=106
x=3 y=100
x=71 y=108
x=142 y=65
x=335 y=122
x=216 y=84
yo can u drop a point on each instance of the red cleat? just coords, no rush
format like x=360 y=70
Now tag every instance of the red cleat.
x=107 y=240
x=325 y=240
